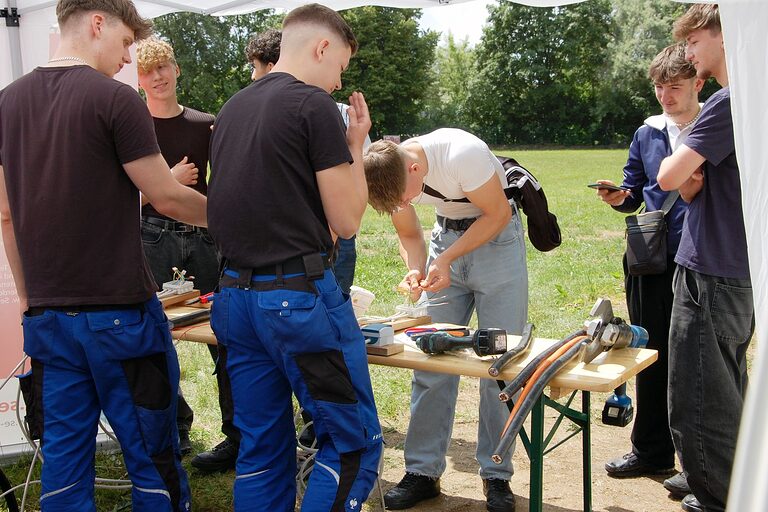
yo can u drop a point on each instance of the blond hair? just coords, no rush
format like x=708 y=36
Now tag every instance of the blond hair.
x=151 y=52
x=671 y=65
x=698 y=16
x=123 y=10
x=385 y=171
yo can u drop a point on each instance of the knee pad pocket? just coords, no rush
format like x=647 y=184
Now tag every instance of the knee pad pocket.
x=31 y=384
x=151 y=393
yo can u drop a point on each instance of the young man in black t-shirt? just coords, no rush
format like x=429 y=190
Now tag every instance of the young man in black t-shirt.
x=93 y=327
x=281 y=175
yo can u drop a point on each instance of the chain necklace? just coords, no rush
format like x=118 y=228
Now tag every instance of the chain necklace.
x=76 y=59
x=682 y=126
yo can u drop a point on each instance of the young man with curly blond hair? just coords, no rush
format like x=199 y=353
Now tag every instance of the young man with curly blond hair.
x=93 y=326
x=476 y=262
x=713 y=314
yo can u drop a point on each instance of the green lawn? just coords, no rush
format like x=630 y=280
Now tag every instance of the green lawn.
x=564 y=284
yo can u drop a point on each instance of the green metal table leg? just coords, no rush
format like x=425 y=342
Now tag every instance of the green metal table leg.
x=537 y=456
x=586 y=439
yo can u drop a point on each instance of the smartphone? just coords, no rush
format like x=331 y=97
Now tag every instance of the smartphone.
x=605 y=186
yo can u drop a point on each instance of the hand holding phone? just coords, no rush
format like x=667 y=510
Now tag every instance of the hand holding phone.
x=606 y=186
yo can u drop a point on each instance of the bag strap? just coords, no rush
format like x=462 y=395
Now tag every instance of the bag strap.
x=669 y=201
x=509 y=192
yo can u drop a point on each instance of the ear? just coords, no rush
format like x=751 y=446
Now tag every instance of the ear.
x=270 y=65
x=699 y=84
x=97 y=23
x=178 y=71
x=321 y=47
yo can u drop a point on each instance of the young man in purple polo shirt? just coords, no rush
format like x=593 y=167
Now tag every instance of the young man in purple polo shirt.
x=713 y=314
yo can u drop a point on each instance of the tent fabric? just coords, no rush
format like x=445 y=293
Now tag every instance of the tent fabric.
x=746 y=47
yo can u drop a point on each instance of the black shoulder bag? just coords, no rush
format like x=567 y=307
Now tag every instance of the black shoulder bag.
x=647 y=239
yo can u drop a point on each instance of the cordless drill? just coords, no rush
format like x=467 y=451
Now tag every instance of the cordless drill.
x=485 y=342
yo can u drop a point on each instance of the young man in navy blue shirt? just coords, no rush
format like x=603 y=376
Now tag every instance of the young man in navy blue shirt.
x=713 y=313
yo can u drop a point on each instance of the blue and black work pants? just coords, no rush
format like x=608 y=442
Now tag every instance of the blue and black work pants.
x=299 y=335
x=120 y=360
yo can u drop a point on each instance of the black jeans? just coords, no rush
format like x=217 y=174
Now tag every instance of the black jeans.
x=649 y=299
x=712 y=324
x=194 y=252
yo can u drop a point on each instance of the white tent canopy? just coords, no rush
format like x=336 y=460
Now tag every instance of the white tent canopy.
x=744 y=21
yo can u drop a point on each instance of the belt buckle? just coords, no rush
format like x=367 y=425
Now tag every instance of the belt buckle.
x=184 y=228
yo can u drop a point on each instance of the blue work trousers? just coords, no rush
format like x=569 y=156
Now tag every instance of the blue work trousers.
x=493 y=281
x=282 y=340
x=713 y=319
x=123 y=362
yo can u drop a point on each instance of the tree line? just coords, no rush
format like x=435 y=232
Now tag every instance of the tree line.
x=569 y=75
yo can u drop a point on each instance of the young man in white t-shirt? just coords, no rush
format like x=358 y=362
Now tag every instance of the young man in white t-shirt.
x=477 y=261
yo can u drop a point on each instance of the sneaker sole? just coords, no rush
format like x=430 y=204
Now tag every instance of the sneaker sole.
x=403 y=506
x=640 y=472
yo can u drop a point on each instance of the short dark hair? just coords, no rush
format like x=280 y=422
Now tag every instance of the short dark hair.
x=317 y=14
x=264 y=47
x=124 y=10
x=698 y=16
x=671 y=65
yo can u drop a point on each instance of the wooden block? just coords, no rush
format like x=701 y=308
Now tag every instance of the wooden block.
x=386 y=350
x=171 y=300
x=404 y=323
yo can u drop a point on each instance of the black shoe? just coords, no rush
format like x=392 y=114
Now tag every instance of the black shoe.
x=185 y=445
x=691 y=504
x=677 y=486
x=221 y=458
x=500 y=497
x=631 y=465
x=411 y=490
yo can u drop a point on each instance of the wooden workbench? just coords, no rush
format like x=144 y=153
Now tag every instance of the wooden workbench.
x=605 y=373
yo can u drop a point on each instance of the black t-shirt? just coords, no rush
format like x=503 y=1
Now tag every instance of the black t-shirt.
x=64 y=135
x=270 y=139
x=187 y=134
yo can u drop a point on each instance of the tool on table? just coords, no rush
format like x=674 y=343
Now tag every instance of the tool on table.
x=611 y=332
x=508 y=356
x=178 y=285
x=378 y=334
x=194 y=317
x=485 y=342
x=602 y=333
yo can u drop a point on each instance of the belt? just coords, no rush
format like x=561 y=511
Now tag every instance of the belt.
x=172 y=225
x=456 y=224
x=297 y=265
x=293 y=273
x=91 y=308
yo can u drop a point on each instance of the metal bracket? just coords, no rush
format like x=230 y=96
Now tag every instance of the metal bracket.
x=11 y=16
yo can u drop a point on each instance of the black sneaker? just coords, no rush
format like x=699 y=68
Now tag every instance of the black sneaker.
x=185 y=445
x=499 y=495
x=677 y=486
x=221 y=458
x=630 y=465
x=411 y=490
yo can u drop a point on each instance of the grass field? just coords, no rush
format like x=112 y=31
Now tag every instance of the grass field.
x=564 y=284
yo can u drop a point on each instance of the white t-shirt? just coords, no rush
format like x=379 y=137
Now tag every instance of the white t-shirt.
x=458 y=162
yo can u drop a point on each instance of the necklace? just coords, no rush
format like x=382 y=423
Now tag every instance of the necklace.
x=689 y=123
x=76 y=59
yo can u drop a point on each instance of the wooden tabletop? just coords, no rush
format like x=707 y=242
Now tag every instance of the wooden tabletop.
x=605 y=373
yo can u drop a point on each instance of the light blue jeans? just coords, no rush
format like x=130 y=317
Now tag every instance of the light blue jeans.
x=492 y=279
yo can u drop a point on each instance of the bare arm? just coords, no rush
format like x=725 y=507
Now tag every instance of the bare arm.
x=153 y=178
x=412 y=249
x=343 y=189
x=9 y=242
x=678 y=167
x=496 y=213
x=692 y=186
x=185 y=173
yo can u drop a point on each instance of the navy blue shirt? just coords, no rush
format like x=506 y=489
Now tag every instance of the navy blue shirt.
x=649 y=147
x=714 y=241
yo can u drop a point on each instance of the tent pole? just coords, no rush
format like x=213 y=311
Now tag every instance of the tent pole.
x=14 y=38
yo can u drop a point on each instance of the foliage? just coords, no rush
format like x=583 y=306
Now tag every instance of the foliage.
x=393 y=67
x=211 y=53
x=539 y=71
x=454 y=71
